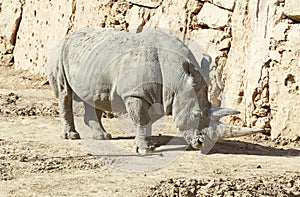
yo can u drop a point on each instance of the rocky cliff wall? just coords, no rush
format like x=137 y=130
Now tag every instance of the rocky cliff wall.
x=254 y=45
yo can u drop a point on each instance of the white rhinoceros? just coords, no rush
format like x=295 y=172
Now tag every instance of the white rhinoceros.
x=117 y=71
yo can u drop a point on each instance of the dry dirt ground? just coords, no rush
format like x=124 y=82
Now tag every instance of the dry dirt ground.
x=35 y=161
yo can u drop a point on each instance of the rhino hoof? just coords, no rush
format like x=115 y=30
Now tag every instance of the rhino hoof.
x=144 y=151
x=73 y=135
x=70 y=135
x=102 y=136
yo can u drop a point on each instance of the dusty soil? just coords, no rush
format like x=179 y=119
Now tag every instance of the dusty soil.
x=34 y=161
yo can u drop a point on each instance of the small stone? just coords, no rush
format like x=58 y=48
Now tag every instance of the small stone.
x=170 y=180
x=217 y=171
x=224 y=44
x=262 y=122
x=120 y=18
x=291 y=183
x=23 y=159
x=260 y=112
x=177 y=183
x=295 y=138
x=209 y=185
x=284 y=143
x=265 y=137
x=6 y=59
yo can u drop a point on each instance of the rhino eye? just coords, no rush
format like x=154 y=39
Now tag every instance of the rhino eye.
x=197 y=113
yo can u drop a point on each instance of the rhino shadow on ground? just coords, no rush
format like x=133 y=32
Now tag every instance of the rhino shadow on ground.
x=246 y=148
x=225 y=147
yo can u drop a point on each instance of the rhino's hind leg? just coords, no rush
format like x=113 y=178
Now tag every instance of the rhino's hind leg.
x=92 y=118
x=138 y=110
x=66 y=114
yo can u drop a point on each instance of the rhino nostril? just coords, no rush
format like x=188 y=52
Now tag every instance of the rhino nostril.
x=197 y=144
x=199 y=141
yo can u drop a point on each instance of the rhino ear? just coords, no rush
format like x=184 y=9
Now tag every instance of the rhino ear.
x=186 y=68
x=191 y=71
x=198 y=113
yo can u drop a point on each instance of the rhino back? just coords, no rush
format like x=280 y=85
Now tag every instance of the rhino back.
x=77 y=48
x=97 y=61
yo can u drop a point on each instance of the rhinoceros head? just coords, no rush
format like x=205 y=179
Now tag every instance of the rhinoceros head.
x=194 y=115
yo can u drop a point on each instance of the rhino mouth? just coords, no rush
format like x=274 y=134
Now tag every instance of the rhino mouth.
x=206 y=137
x=194 y=139
x=197 y=142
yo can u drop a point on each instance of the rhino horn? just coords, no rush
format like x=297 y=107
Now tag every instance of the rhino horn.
x=228 y=131
x=217 y=112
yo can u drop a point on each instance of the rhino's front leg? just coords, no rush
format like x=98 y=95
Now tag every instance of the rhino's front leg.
x=66 y=114
x=143 y=144
x=138 y=110
x=92 y=118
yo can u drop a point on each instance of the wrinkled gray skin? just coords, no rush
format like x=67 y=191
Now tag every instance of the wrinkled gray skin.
x=147 y=74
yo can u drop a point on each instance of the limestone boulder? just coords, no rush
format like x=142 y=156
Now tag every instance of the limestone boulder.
x=213 y=16
x=285 y=100
x=43 y=25
x=292 y=9
x=285 y=87
x=91 y=14
x=136 y=18
x=207 y=39
x=101 y=14
x=235 y=71
x=10 y=17
x=170 y=17
x=246 y=73
x=279 y=31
